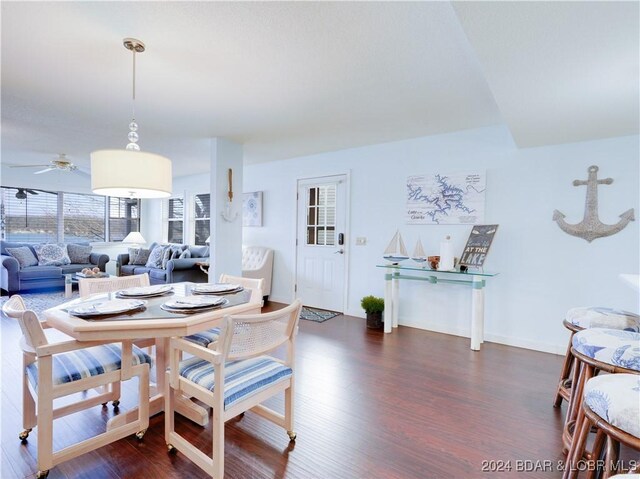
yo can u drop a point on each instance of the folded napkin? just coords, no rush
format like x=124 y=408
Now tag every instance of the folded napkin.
x=216 y=288
x=107 y=307
x=193 y=302
x=144 y=290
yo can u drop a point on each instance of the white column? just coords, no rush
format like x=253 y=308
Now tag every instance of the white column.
x=226 y=236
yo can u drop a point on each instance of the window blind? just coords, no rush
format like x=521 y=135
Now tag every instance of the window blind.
x=124 y=217
x=176 y=221
x=84 y=217
x=202 y=214
x=30 y=218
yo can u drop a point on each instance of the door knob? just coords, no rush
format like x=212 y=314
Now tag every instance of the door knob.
x=340 y=251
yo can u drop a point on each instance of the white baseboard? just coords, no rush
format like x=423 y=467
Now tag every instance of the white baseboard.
x=559 y=349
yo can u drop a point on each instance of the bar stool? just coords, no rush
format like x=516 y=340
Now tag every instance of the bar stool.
x=596 y=350
x=611 y=404
x=578 y=319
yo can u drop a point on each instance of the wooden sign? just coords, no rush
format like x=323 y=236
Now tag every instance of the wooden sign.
x=478 y=245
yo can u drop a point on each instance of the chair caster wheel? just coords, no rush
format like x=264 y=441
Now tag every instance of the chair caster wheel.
x=42 y=474
x=115 y=404
x=24 y=434
x=292 y=435
x=171 y=449
x=140 y=434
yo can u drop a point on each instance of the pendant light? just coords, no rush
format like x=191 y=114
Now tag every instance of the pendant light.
x=130 y=172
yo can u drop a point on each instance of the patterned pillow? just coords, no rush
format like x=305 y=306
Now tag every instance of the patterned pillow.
x=51 y=254
x=24 y=255
x=140 y=257
x=185 y=254
x=155 y=257
x=79 y=253
x=166 y=256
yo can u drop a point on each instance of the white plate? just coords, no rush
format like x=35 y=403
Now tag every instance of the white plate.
x=217 y=288
x=114 y=306
x=145 y=291
x=194 y=302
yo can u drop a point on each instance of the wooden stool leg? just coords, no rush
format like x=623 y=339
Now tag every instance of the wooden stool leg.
x=610 y=463
x=576 y=451
x=565 y=375
x=596 y=451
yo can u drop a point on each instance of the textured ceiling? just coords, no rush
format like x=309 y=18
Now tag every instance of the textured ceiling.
x=294 y=78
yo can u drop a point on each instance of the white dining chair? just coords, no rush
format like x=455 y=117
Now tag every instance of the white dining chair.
x=208 y=337
x=238 y=375
x=89 y=286
x=57 y=369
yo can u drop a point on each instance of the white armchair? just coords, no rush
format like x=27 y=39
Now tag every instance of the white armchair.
x=257 y=262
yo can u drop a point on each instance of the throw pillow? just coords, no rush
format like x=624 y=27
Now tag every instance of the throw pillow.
x=133 y=254
x=166 y=256
x=155 y=257
x=185 y=254
x=141 y=257
x=79 y=253
x=51 y=254
x=24 y=255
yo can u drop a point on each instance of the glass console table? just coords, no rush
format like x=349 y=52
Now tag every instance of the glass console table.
x=476 y=279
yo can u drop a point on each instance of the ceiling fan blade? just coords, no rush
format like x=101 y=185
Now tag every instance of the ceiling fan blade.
x=33 y=192
x=81 y=172
x=29 y=166
x=51 y=168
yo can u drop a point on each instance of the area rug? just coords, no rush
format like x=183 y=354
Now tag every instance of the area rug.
x=317 y=315
x=38 y=302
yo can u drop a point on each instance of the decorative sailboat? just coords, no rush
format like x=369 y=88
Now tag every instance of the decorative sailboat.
x=396 y=250
x=419 y=255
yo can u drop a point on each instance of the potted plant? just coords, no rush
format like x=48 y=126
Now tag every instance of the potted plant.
x=373 y=307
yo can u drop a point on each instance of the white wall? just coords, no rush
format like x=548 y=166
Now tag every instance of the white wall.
x=543 y=271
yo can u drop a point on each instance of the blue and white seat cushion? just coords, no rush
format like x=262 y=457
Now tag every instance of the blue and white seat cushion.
x=84 y=363
x=204 y=338
x=610 y=346
x=601 y=317
x=242 y=379
x=616 y=399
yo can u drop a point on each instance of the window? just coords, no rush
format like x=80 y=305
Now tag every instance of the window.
x=176 y=221
x=124 y=217
x=321 y=215
x=202 y=214
x=37 y=216
x=29 y=216
x=83 y=217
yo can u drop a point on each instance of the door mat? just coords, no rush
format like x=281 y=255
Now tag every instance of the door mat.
x=317 y=315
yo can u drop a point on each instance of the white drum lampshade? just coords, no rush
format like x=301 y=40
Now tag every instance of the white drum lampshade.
x=130 y=174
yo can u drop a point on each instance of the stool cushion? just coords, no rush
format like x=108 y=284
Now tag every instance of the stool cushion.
x=601 y=317
x=616 y=399
x=242 y=379
x=83 y=363
x=610 y=346
x=204 y=338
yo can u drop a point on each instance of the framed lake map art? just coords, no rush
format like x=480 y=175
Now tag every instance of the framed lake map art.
x=445 y=199
x=252 y=209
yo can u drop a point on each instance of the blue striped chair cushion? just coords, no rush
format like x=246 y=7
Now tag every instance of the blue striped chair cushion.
x=84 y=363
x=204 y=338
x=241 y=378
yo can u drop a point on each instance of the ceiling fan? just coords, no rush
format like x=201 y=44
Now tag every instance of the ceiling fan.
x=60 y=163
x=21 y=194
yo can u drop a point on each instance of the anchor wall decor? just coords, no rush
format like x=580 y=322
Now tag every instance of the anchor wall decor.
x=226 y=213
x=591 y=227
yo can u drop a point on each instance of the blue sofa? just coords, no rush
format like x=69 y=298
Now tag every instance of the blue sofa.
x=176 y=270
x=14 y=279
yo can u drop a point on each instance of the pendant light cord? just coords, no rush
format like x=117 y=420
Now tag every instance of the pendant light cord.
x=133 y=112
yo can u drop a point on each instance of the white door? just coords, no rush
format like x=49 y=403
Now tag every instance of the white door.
x=321 y=242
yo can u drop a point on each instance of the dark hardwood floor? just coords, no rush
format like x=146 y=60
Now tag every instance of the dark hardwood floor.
x=412 y=404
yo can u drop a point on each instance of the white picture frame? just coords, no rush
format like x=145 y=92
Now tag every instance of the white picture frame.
x=252 y=208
